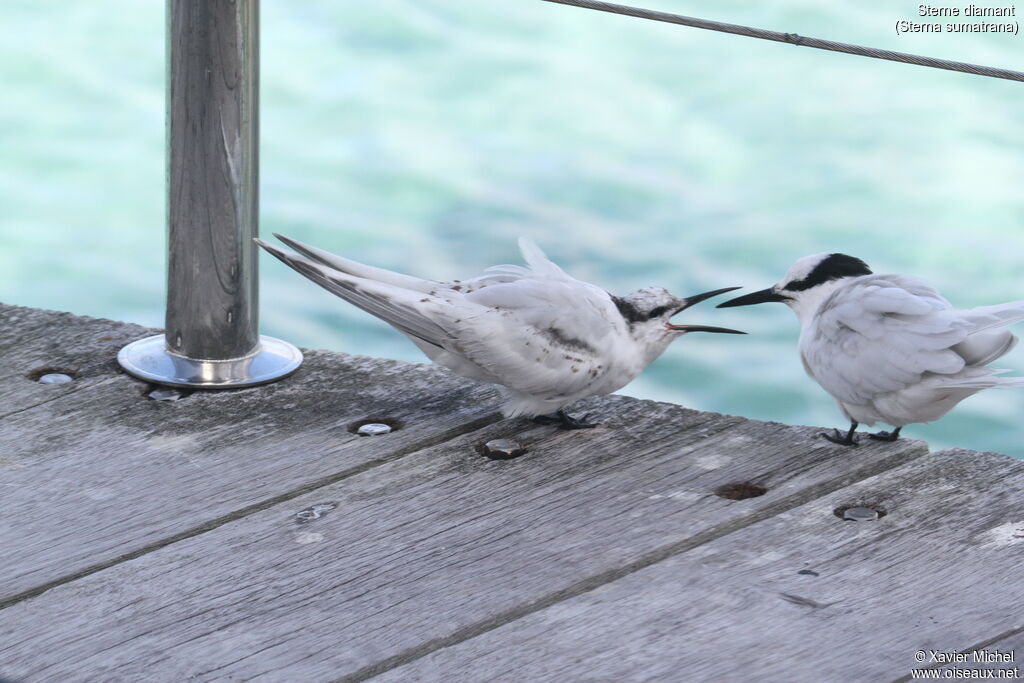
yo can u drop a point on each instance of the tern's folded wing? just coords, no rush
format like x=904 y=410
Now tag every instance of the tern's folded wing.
x=401 y=308
x=568 y=307
x=552 y=336
x=883 y=333
x=539 y=265
x=361 y=270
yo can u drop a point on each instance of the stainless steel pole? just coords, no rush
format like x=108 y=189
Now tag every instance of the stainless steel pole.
x=213 y=143
x=211 y=338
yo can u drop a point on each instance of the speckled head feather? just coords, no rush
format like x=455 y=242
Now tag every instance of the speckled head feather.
x=647 y=303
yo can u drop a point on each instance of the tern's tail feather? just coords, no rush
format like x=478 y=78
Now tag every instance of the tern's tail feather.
x=976 y=378
x=988 y=317
x=392 y=304
x=986 y=342
x=985 y=383
x=358 y=269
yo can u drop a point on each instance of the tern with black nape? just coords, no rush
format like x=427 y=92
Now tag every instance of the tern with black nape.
x=889 y=348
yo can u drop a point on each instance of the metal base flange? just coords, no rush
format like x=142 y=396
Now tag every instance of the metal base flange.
x=148 y=359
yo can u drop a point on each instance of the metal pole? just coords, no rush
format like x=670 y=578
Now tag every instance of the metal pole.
x=212 y=141
x=211 y=338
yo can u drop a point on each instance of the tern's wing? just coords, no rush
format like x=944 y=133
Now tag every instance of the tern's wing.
x=402 y=308
x=360 y=270
x=549 y=301
x=545 y=333
x=541 y=332
x=882 y=333
x=536 y=259
x=538 y=265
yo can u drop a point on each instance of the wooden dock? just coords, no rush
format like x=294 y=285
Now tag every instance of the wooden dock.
x=251 y=535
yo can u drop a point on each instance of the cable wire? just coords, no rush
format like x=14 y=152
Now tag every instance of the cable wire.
x=795 y=39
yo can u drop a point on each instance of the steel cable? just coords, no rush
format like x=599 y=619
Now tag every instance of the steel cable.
x=795 y=39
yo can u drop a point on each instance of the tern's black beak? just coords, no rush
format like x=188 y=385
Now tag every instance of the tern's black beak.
x=764 y=296
x=702 y=328
x=696 y=299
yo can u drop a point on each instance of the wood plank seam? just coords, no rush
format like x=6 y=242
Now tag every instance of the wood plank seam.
x=210 y=525
x=718 y=612
x=596 y=581
x=64 y=394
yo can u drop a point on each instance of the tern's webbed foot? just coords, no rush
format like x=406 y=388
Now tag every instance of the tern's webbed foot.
x=886 y=436
x=565 y=421
x=840 y=438
x=569 y=422
x=848 y=439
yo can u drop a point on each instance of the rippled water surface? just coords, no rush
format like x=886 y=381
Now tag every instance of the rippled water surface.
x=426 y=135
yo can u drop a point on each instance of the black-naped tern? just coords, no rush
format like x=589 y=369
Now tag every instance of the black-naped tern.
x=546 y=337
x=889 y=348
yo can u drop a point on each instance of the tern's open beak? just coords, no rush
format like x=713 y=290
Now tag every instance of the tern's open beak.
x=764 y=296
x=696 y=299
x=702 y=328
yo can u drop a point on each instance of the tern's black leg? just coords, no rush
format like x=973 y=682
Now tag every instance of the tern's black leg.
x=848 y=440
x=565 y=421
x=886 y=436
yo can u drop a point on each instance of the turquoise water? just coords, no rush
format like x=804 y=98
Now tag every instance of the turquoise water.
x=426 y=135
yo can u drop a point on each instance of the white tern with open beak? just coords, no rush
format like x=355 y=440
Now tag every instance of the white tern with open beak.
x=889 y=348
x=546 y=337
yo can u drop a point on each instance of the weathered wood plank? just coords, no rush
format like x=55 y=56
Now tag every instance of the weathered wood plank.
x=32 y=340
x=427 y=550
x=803 y=596
x=104 y=472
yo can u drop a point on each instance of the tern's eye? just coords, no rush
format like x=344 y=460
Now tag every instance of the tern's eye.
x=657 y=312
